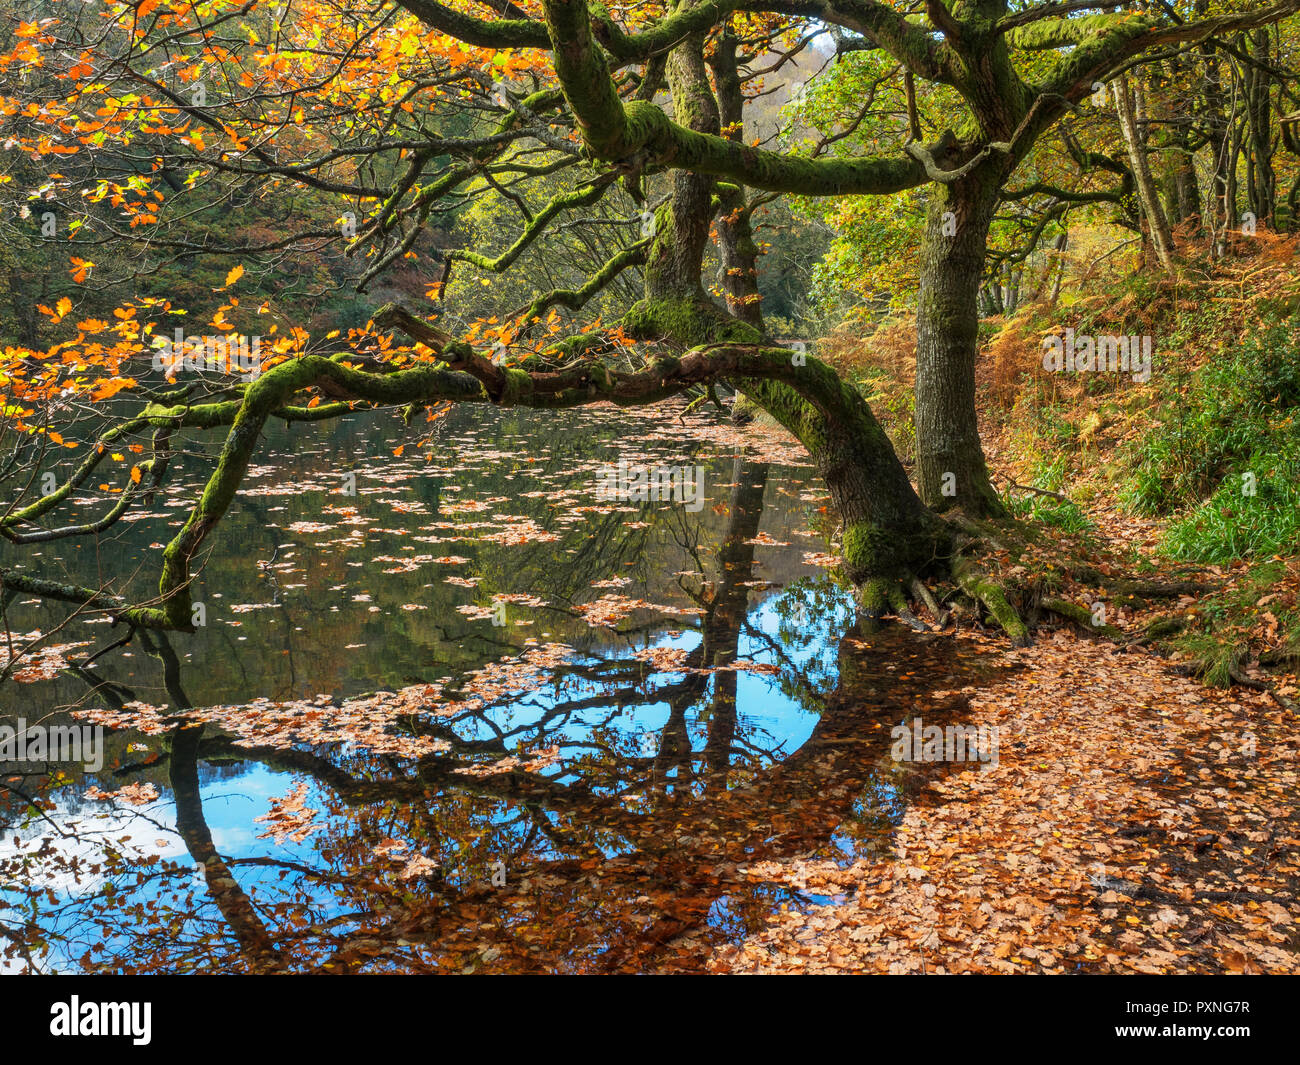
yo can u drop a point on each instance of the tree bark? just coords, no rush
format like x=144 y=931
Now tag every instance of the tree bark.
x=950 y=467
x=1258 y=89
x=1162 y=240
x=1185 y=190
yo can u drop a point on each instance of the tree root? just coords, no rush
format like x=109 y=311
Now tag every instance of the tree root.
x=977 y=553
x=994 y=597
x=898 y=599
x=1161 y=628
x=882 y=595
x=1252 y=683
x=873 y=600
x=1079 y=616
x=922 y=593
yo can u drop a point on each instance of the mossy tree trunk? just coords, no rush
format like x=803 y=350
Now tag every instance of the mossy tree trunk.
x=950 y=460
x=1258 y=92
x=888 y=533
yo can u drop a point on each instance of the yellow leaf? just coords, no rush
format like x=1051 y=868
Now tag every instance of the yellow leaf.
x=135 y=474
x=234 y=275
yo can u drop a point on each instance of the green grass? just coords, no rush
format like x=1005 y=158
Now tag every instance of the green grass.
x=1223 y=458
x=1218 y=642
x=1052 y=438
x=1068 y=517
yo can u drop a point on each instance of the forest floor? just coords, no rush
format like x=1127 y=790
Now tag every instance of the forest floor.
x=1134 y=821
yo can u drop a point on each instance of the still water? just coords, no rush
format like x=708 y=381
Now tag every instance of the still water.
x=451 y=708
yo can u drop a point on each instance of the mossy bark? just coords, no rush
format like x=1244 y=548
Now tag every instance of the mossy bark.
x=950 y=467
x=888 y=533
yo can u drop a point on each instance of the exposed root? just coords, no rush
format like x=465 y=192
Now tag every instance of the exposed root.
x=1162 y=628
x=926 y=596
x=980 y=588
x=1018 y=576
x=921 y=592
x=1081 y=617
x=873 y=603
x=1255 y=684
x=898 y=599
x=978 y=531
x=880 y=596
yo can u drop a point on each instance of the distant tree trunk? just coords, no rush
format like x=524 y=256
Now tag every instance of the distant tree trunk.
x=1236 y=139
x=736 y=248
x=1290 y=126
x=1185 y=190
x=1162 y=240
x=1015 y=278
x=1062 y=243
x=1258 y=89
x=1216 y=118
x=26 y=317
x=950 y=467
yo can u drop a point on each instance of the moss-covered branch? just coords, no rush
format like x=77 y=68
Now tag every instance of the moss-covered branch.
x=119 y=507
x=80 y=596
x=97 y=453
x=565 y=201
x=576 y=298
x=1099 y=44
x=639 y=133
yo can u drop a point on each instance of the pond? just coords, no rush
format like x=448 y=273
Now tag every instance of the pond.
x=453 y=707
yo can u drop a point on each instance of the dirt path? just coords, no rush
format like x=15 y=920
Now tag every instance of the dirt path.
x=1134 y=821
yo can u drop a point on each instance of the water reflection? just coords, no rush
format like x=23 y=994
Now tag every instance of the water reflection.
x=586 y=806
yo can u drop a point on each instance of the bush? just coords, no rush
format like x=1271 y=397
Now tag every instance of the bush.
x=1228 y=420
